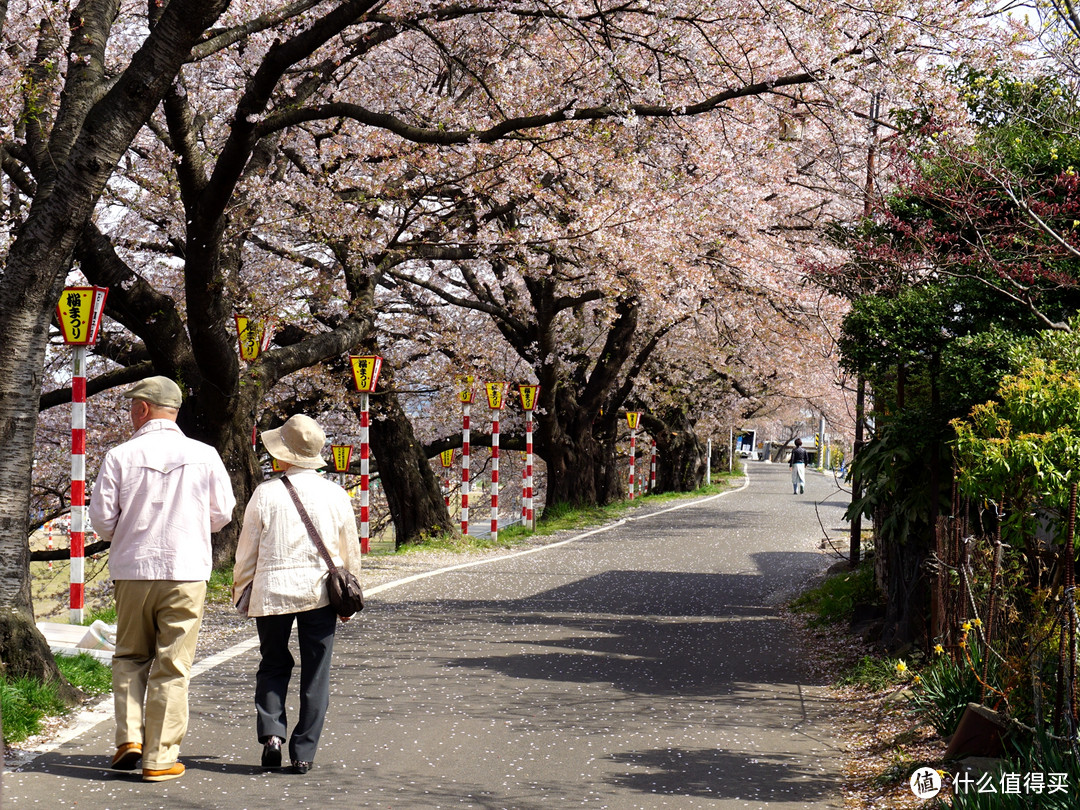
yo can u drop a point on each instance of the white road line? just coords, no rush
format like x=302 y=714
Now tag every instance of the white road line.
x=89 y=718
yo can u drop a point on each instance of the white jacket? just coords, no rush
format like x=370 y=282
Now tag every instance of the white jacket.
x=157 y=497
x=277 y=554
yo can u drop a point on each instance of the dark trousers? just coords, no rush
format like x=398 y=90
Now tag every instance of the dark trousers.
x=315 y=631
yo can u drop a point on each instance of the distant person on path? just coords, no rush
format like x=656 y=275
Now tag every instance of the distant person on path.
x=278 y=557
x=157 y=497
x=799 y=458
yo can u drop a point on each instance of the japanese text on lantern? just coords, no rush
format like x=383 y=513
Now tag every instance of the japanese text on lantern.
x=366 y=372
x=495 y=392
x=465 y=390
x=250 y=334
x=342 y=456
x=447 y=458
x=633 y=419
x=79 y=313
x=528 y=396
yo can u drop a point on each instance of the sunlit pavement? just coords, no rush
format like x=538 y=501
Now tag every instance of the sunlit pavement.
x=642 y=666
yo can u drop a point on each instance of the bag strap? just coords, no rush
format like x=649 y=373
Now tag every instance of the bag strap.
x=312 y=531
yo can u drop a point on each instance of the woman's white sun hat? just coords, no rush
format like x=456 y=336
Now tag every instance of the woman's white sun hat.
x=298 y=442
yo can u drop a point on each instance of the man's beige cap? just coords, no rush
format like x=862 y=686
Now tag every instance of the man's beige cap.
x=158 y=391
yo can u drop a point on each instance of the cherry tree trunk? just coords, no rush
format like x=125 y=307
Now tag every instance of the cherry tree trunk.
x=582 y=469
x=26 y=654
x=412 y=489
x=26 y=299
x=227 y=423
x=906 y=587
x=682 y=455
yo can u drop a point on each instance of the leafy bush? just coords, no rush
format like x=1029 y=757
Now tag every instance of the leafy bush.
x=1037 y=755
x=834 y=600
x=946 y=687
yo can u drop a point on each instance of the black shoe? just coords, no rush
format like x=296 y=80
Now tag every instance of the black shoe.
x=271 y=756
x=299 y=766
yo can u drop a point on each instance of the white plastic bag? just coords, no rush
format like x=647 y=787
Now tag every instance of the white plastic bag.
x=99 y=636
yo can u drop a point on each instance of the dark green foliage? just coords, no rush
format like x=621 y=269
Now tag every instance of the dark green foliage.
x=1037 y=754
x=946 y=687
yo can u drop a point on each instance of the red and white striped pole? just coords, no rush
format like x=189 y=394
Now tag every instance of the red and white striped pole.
x=78 y=485
x=524 y=490
x=528 y=394
x=496 y=401
x=79 y=313
x=466 y=461
x=633 y=418
x=652 y=469
x=495 y=476
x=465 y=395
x=366 y=375
x=365 y=478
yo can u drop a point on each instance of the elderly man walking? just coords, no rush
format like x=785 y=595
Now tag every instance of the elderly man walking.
x=158 y=497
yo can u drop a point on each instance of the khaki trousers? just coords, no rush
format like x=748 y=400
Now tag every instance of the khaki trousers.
x=157 y=628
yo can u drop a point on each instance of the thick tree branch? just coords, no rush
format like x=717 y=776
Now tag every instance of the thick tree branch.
x=512 y=126
x=95 y=385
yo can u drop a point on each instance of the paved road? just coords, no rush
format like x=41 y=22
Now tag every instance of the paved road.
x=640 y=666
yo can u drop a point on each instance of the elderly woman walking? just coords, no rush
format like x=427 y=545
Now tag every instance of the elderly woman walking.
x=278 y=559
x=799 y=457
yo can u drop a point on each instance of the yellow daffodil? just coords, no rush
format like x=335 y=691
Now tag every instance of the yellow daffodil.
x=966 y=627
x=976 y=622
x=939 y=649
x=901 y=667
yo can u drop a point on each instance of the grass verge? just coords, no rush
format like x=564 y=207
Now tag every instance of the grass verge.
x=26 y=703
x=559 y=518
x=219 y=588
x=834 y=600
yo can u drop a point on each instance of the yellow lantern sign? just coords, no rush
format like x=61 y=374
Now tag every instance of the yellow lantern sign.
x=276 y=466
x=254 y=337
x=342 y=454
x=465 y=390
x=633 y=419
x=365 y=372
x=528 y=394
x=447 y=458
x=79 y=312
x=496 y=395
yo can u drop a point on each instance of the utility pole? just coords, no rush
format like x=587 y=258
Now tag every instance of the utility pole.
x=855 y=544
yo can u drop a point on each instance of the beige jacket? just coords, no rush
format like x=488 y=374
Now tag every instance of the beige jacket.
x=276 y=553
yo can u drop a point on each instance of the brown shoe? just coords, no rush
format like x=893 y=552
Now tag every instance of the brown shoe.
x=175 y=772
x=126 y=756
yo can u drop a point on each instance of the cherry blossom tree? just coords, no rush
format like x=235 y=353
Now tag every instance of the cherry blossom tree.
x=224 y=133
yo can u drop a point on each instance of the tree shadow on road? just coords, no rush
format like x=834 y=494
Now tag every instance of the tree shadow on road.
x=718 y=774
